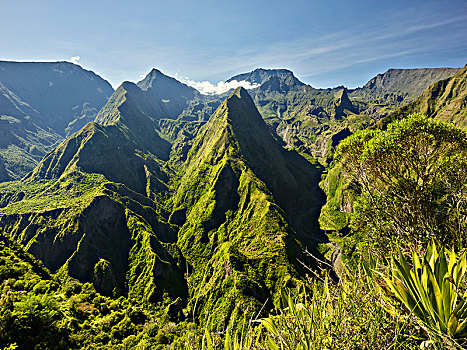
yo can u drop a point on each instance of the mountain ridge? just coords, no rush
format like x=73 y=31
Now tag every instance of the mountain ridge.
x=261 y=75
x=40 y=104
x=167 y=215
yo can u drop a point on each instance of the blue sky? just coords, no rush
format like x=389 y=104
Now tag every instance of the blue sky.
x=325 y=43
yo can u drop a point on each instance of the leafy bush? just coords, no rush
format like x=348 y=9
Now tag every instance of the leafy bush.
x=412 y=179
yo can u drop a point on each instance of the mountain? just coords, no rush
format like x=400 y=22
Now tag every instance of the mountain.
x=40 y=104
x=303 y=116
x=306 y=117
x=445 y=100
x=397 y=87
x=95 y=192
x=260 y=76
x=342 y=103
x=174 y=95
x=112 y=207
x=64 y=95
x=240 y=205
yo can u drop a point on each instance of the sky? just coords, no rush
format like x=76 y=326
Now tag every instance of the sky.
x=325 y=43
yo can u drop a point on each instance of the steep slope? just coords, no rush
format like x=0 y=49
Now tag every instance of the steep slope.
x=3 y=173
x=61 y=92
x=41 y=103
x=306 y=118
x=174 y=95
x=44 y=311
x=342 y=104
x=260 y=76
x=22 y=143
x=90 y=207
x=104 y=207
x=395 y=88
x=445 y=100
x=241 y=203
x=407 y=83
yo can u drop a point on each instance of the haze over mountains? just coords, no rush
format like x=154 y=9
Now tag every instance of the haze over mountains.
x=42 y=103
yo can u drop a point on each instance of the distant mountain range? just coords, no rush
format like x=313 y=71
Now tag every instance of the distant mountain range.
x=42 y=103
x=445 y=100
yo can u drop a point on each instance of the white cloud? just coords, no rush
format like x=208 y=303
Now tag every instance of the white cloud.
x=208 y=88
x=75 y=59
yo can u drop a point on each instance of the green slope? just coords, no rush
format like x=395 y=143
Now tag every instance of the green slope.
x=240 y=204
x=234 y=213
x=445 y=100
x=39 y=310
x=91 y=199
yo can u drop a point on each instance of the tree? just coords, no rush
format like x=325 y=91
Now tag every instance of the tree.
x=413 y=181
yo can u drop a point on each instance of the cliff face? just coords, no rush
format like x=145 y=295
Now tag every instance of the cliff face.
x=260 y=76
x=40 y=104
x=342 y=104
x=403 y=85
x=445 y=100
x=110 y=206
x=3 y=173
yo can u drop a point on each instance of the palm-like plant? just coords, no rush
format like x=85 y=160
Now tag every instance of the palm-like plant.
x=430 y=290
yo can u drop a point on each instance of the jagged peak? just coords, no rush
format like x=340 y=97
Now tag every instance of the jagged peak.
x=239 y=108
x=261 y=75
x=130 y=103
x=153 y=74
x=342 y=103
x=236 y=120
x=341 y=94
x=155 y=77
x=240 y=92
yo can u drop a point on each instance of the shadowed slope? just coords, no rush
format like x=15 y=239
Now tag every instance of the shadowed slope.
x=90 y=208
x=174 y=95
x=237 y=205
x=445 y=100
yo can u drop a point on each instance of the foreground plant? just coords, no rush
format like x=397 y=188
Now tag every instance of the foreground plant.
x=431 y=290
x=347 y=315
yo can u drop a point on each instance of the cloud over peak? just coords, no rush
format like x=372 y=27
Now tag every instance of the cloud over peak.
x=208 y=88
x=75 y=59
